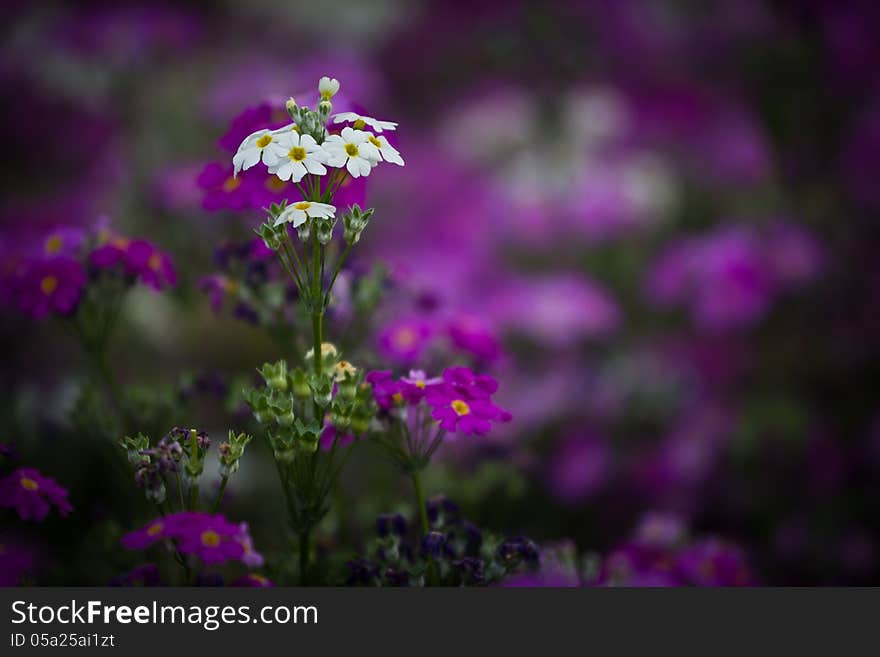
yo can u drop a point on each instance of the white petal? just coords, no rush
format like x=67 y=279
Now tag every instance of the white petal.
x=313 y=166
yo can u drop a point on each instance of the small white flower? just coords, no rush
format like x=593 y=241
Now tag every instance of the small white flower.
x=386 y=150
x=303 y=155
x=353 y=150
x=298 y=213
x=328 y=87
x=359 y=121
x=261 y=145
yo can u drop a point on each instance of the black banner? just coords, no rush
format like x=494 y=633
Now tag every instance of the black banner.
x=392 y=621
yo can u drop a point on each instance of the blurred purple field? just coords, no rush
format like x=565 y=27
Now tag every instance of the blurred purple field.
x=654 y=223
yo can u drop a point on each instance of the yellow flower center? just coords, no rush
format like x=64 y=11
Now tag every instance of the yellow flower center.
x=275 y=184
x=259 y=578
x=297 y=154
x=155 y=262
x=375 y=142
x=421 y=384
x=405 y=338
x=53 y=244
x=461 y=407
x=154 y=529
x=48 y=285
x=352 y=150
x=210 y=538
x=231 y=184
x=397 y=397
x=29 y=484
x=264 y=141
x=359 y=124
x=303 y=205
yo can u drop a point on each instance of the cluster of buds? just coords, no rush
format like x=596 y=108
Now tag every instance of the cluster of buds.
x=355 y=221
x=231 y=452
x=151 y=464
x=295 y=404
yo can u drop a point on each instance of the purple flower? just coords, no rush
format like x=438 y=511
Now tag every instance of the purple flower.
x=404 y=340
x=712 y=562
x=222 y=191
x=53 y=285
x=724 y=278
x=216 y=286
x=142 y=538
x=557 y=311
x=580 y=468
x=65 y=240
x=253 y=580
x=386 y=389
x=211 y=538
x=475 y=336
x=139 y=258
x=143 y=575
x=329 y=434
x=462 y=403
x=33 y=495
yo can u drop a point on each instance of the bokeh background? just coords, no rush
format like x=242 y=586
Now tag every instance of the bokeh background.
x=655 y=222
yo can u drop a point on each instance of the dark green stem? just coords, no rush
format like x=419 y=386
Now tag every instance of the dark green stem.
x=305 y=540
x=420 y=501
x=220 y=493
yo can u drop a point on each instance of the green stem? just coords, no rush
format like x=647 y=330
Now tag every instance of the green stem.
x=220 y=493
x=305 y=540
x=420 y=501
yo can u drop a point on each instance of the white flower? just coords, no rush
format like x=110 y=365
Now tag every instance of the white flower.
x=328 y=87
x=302 y=155
x=353 y=150
x=261 y=145
x=386 y=150
x=360 y=121
x=298 y=213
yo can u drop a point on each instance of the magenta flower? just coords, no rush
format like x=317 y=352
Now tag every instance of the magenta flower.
x=53 y=285
x=18 y=559
x=404 y=340
x=414 y=386
x=211 y=538
x=139 y=258
x=33 y=495
x=462 y=403
x=222 y=191
x=141 y=539
x=216 y=286
x=257 y=117
x=386 y=389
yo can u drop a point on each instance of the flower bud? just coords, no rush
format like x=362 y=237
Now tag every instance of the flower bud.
x=328 y=87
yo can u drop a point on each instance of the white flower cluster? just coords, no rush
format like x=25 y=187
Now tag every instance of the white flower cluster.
x=290 y=153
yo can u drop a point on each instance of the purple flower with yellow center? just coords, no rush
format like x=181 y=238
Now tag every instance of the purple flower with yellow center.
x=414 y=386
x=62 y=241
x=156 y=530
x=53 y=285
x=264 y=115
x=387 y=391
x=33 y=495
x=223 y=191
x=140 y=258
x=462 y=403
x=211 y=538
x=253 y=580
x=404 y=340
